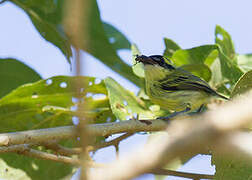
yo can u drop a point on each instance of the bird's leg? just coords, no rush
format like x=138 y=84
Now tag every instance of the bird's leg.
x=176 y=113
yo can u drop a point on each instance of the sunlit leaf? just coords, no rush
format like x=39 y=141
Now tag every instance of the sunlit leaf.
x=125 y=104
x=23 y=107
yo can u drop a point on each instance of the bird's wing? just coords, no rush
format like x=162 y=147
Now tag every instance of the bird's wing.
x=182 y=80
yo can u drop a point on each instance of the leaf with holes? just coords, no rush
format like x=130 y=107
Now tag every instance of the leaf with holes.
x=243 y=85
x=170 y=47
x=116 y=38
x=14 y=73
x=125 y=104
x=229 y=69
x=23 y=107
x=223 y=39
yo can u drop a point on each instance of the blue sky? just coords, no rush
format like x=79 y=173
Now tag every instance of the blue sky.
x=146 y=23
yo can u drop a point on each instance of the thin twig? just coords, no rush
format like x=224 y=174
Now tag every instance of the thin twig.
x=181 y=174
x=61 y=149
x=114 y=142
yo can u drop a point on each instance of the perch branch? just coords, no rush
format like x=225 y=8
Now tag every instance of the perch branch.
x=67 y=132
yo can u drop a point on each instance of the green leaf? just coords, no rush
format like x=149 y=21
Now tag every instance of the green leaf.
x=200 y=70
x=243 y=85
x=116 y=38
x=14 y=73
x=138 y=68
x=223 y=39
x=15 y=166
x=100 y=47
x=23 y=107
x=170 y=47
x=227 y=56
x=46 y=17
x=201 y=54
x=245 y=62
x=125 y=104
x=228 y=68
x=231 y=168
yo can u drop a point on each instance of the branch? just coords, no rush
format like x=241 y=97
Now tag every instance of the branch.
x=24 y=149
x=190 y=136
x=67 y=132
x=181 y=174
x=114 y=142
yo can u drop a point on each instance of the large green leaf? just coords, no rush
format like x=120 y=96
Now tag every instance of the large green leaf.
x=195 y=55
x=116 y=38
x=26 y=107
x=125 y=104
x=170 y=47
x=100 y=47
x=14 y=73
x=231 y=168
x=47 y=16
x=243 y=85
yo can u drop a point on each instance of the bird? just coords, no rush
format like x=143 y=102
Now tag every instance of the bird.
x=173 y=88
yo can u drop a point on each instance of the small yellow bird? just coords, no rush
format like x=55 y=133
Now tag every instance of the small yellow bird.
x=174 y=88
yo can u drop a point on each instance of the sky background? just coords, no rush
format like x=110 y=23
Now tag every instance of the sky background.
x=146 y=23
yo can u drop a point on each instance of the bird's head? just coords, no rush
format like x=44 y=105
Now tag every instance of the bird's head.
x=155 y=60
